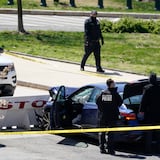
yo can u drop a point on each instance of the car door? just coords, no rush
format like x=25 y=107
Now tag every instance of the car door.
x=61 y=114
x=133 y=93
x=87 y=97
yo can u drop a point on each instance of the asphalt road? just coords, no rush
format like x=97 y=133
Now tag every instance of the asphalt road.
x=55 y=147
x=44 y=22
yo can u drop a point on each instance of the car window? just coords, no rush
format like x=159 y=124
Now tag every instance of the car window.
x=133 y=100
x=83 y=95
x=94 y=95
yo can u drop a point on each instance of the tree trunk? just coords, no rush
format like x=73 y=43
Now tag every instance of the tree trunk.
x=20 y=17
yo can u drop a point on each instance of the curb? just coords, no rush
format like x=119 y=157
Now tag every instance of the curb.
x=81 y=13
x=33 y=85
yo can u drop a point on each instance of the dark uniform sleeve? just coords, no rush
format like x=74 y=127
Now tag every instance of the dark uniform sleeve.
x=98 y=102
x=101 y=37
x=144 y=101
x=86 y=30
x=119 y=100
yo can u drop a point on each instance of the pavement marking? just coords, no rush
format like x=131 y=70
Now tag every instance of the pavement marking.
x=94 y=73
x=24 y=57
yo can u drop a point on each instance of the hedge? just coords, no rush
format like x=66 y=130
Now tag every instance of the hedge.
x=131 y=25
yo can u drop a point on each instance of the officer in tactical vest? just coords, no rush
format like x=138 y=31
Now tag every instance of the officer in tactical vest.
x=92 y=35
x=108 y=103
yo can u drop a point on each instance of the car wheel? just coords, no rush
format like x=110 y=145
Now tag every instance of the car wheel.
x=46 y=121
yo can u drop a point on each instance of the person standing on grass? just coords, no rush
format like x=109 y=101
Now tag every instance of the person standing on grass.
x=93 y=36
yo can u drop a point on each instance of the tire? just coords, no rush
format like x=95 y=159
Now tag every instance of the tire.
x=46 y=121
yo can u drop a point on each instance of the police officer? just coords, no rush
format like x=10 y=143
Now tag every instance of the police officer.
x=92 y=37
x=150 y=109
x=10 y=2
x=108 y=103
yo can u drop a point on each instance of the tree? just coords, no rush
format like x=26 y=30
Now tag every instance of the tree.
x=20 y=17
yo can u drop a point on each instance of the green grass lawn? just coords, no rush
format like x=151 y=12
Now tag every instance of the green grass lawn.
x=83 y=5
x=135 y=52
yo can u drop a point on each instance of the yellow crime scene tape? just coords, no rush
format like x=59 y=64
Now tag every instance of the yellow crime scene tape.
x=71 y=131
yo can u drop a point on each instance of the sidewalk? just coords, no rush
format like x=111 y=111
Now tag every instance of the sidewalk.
x=44 y=73
x=82 y=13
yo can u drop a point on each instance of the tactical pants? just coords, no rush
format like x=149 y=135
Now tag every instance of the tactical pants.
x=149 y=137
x=89 y=48
x=109 y=142
x=110 y=139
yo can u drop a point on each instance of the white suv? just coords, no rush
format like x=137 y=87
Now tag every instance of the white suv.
x=8 y=77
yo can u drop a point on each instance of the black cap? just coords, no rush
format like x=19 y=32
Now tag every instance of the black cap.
x=153 y=78
x=93 y=12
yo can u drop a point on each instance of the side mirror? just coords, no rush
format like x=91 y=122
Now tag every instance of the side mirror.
x=53 y=92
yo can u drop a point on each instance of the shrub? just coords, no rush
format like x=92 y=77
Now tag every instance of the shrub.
x=124 y=25
x=131 y=25
x=106 y=26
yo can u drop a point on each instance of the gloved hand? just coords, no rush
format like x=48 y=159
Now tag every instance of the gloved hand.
x=140 y=116
x=86 y=43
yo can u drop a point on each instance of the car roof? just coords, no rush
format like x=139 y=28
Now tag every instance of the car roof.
x=102 y=85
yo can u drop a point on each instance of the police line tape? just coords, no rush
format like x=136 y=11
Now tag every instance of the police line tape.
x=69 y=131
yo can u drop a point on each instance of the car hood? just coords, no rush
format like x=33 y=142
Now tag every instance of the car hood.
x=134 y=88
x=4 y=60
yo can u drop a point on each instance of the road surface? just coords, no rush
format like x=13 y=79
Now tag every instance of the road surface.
x=44 y=22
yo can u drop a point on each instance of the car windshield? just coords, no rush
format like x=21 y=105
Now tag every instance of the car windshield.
x=94 y=95
x=133 y=100
x=83 y=95
x=90 y=93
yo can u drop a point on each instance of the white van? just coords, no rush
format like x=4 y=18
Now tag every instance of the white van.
x=8 y=78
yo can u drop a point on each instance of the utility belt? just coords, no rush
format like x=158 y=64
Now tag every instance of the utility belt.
x=94 y=41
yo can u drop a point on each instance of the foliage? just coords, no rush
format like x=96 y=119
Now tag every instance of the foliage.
x=135 y=52
x=83 y=5
x=131 y=25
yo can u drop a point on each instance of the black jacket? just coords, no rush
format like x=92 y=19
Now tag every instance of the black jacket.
x=150 y=104
x=92 y=30
x=108 y=103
